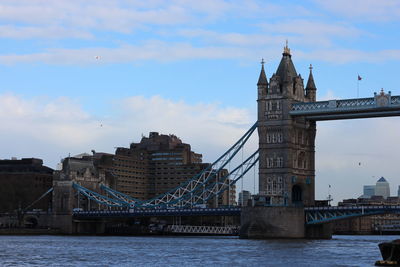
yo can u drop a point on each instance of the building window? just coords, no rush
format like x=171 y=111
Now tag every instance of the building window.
x=280 y=162
x=280 y=139
x=274 y=138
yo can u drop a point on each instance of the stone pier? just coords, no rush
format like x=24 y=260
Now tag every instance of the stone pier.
x=279 y=222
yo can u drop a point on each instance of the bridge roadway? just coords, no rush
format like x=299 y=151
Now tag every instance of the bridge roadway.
x=228 y=211
x=313 y=215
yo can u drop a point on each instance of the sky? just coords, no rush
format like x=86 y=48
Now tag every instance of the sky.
x=77 y=75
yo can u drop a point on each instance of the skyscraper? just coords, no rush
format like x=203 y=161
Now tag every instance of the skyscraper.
x=244 y=197
x=369 y=191
x=382 y=188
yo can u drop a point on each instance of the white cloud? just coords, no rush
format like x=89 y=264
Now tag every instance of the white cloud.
x=119 y=16
x=343 y=56
x=312 y=28
x=365 y=10
x=167 y=52
x=154 y=50
x=52 y=32
x=51 y=128
x=329 y=95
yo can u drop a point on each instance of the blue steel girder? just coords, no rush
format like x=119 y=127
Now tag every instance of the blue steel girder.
x=208 y=176
x=381 y=105
x=120 y=196
x=204 y=191
x=319 y=215
x=98 y=197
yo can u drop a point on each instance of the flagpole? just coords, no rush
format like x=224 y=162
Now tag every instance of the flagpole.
x=358 y=86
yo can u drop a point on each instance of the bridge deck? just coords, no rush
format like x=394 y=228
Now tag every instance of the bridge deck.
x=231 y=211
x=381 y=105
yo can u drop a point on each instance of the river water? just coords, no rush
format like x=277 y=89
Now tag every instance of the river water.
x=187 y=251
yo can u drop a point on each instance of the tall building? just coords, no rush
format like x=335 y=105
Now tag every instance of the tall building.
x=157 y=164
x=244 y=197
x=369 y=191
x=382 y=188
x=22 y=182
x=398 y=191
x=287 y=145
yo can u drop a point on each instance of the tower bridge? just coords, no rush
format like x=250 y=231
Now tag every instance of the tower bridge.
x=286 y=125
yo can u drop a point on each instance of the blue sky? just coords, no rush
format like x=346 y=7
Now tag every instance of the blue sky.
x=190 y=68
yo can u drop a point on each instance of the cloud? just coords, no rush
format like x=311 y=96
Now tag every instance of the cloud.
x=343 y=56
x=153 y=50
x=311 y=28
x=301 y=32
x=52 y=128
x=52 y=32
x=116 y=16
x=58 y=122
x=170 y=52
x=364 y=10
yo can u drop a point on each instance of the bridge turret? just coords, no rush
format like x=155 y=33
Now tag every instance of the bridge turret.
x=311 y=89
x=262 y=83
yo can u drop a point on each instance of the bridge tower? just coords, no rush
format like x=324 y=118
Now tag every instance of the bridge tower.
x=287 y=145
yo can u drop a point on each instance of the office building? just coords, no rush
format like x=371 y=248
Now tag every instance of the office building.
x=369 y=191
x=157 y=164
x=244 y=197
x=22 y=182
x=382 y=188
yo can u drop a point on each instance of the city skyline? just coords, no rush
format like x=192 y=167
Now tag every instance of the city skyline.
x=79 y=75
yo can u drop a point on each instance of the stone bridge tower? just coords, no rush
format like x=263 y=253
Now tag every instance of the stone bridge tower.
x=287 y=145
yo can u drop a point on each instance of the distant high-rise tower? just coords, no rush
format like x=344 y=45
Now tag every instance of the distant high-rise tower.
x=244 y=197
x=398 y=191
x=382 y=188
x=369 y=191
x=287 y=169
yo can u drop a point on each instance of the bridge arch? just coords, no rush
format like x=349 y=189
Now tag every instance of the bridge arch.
x=297 y=194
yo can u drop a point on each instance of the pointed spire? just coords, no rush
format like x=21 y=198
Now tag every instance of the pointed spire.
x=310 y=82
x=286 y=49
x=286 y=70
x=262 y=80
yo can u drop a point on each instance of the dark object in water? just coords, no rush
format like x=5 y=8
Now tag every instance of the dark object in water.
x=390 y=253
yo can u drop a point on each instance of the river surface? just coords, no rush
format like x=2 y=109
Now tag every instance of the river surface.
x=187 y=251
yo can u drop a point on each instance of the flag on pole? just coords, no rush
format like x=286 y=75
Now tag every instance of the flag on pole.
x=359 y=78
